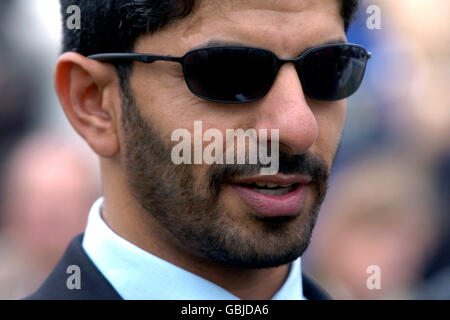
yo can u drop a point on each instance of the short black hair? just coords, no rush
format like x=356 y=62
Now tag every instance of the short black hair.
x=115 y=25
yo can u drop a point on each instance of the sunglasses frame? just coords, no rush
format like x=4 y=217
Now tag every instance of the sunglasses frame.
x=279 y=62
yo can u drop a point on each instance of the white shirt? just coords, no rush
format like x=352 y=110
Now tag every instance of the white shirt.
x=139 y=275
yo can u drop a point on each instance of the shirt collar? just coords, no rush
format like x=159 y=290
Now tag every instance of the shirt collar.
x=139 y=275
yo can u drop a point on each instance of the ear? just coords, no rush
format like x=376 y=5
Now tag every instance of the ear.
x=89 y=94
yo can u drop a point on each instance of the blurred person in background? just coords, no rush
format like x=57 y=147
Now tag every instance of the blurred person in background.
x=50 y=183
x=403 y=106
x=380 y=211
x=424 y=124
x=436 y=283
x=18 y=87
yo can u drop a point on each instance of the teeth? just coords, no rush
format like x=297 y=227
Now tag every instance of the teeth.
x=274 y=192
x=270 y=185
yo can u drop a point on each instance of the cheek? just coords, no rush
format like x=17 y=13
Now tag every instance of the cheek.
x=330 y=119
x=165 y=101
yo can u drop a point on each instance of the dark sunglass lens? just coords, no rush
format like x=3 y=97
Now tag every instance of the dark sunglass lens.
x=333 y=72
x=230 y=74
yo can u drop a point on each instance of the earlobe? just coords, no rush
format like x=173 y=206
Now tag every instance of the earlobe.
x=81 y=85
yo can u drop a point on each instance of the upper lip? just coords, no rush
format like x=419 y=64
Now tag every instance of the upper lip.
x=278 y=179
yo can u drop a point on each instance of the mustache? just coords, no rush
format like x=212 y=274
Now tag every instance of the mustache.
x=308 y=163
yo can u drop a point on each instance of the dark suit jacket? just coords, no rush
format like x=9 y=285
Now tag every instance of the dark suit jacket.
x=94 y=285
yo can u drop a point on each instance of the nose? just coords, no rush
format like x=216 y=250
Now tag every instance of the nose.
x=286 y=109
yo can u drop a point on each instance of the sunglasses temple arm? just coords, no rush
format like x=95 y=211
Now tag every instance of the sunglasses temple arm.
x=145 y=58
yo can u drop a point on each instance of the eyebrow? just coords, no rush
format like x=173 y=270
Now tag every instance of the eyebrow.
x=334 y=41
x=218 y=42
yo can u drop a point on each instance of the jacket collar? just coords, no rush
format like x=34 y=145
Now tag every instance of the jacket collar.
x=94 y=285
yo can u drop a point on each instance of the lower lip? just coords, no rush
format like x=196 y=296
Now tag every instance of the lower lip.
x=274 y=206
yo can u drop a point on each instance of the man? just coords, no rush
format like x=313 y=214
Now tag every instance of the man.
x=221 y=230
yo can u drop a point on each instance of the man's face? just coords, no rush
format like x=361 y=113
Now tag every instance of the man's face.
x=198 y=204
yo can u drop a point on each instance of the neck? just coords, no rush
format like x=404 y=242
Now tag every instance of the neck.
x=139 y=228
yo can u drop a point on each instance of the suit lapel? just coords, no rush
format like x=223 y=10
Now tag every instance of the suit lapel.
x=94 y=285
x=312 y=291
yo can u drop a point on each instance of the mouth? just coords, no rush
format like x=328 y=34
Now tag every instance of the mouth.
x=273 y=196
x=270 y=189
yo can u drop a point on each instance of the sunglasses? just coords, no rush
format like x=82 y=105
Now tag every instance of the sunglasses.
x=235 y=74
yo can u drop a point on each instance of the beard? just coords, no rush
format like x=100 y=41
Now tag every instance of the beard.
x=188 y=203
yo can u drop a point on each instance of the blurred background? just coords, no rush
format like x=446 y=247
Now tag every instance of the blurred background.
x=388 y=201
x=48 y=176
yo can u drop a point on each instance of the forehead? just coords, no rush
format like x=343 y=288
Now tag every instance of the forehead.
x=273 y=7
x=286 y=26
